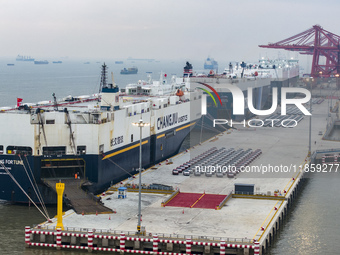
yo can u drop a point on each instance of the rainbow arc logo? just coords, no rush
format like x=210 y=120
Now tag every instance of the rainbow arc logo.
x=209 y=93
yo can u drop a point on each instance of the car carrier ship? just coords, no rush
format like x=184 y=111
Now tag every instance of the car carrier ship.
x=92 y=137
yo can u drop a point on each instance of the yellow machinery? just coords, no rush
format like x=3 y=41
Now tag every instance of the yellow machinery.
x=60 y=187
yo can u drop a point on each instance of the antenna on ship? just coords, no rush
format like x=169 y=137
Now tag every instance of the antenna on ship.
x=103 y=80
x=55 y=102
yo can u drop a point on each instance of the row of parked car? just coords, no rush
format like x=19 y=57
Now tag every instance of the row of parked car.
x=218 y=161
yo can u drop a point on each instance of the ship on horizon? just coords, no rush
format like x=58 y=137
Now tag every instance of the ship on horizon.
x=24 y=58
x=130 y=70
x=210 y=64
x=41 y=62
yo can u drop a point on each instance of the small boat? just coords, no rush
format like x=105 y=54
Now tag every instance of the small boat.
x=10 y=64
x=119 y=62
x=86 y=63
x=57 y=62
x=131 y=70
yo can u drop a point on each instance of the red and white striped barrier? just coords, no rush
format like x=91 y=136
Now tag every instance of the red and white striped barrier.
x=48 y=233
x=122 y=241
x=205 y=244
x=109 y=237
x=334 y=157
x=74 y=234
x=105 y=249
x=242 y=246
x=66 y=246
x=50 y=245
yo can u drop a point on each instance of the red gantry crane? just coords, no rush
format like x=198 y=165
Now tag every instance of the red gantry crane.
x=318 y=42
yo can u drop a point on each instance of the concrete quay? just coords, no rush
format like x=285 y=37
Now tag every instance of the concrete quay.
x=233 y=229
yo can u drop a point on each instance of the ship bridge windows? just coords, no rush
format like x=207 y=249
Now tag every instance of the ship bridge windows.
x=1 y=149
x=19 y=150
x=81 y=149
x=132 y=91
x=54 y=150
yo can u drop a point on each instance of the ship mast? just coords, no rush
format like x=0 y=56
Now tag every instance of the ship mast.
x=103 y=80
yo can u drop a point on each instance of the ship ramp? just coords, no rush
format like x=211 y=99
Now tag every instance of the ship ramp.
x=81 y=201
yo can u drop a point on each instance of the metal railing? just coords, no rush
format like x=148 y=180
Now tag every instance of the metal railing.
x=197 y=238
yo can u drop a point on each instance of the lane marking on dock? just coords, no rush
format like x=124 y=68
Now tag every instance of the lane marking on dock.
x=265 y=220
x=270 y=221
x=197 y=200
x=303 y=165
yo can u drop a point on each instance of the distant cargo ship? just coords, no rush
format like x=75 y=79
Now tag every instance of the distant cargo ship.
x=210 y=64
x=131 y=70
x=41 y=62
x=10 y=64
x=57 y=62
x=119 y=62
x=24 y=58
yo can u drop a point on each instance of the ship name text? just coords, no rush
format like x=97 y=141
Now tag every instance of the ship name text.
x=116 y=140
x=170 y=120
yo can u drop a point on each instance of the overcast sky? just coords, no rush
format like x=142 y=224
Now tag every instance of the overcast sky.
x=160 y=29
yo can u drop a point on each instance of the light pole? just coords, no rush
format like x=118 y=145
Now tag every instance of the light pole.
x=140 y=124
x=320 y=82
x=310 y=120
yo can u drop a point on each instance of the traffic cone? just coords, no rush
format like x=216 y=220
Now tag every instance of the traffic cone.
x=183 y=211
x=96 y=212
x=109 y=217
x=82 y=213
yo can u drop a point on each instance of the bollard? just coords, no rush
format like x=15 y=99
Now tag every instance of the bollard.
x=90 y=240
x=256 y=248
x=188 y=246
x=122 y=242
x=222 y=247
x=155 y=244
x=27 y=236
x=58 y=238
